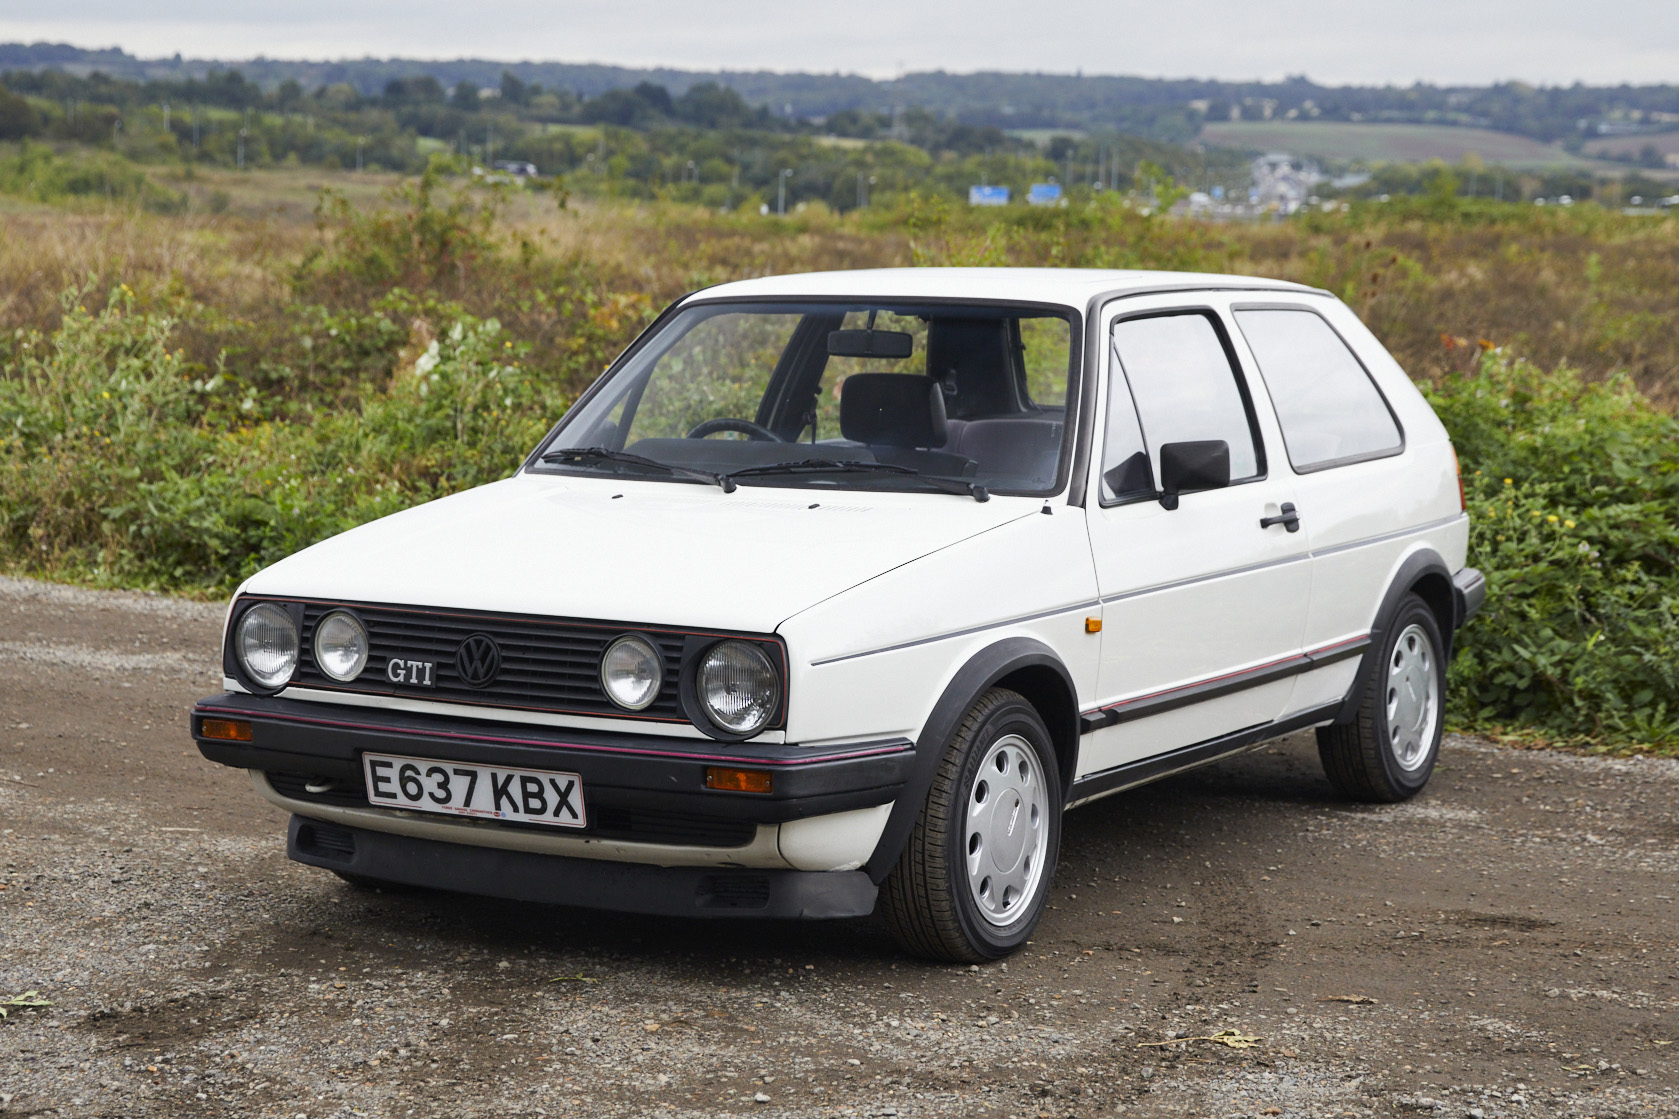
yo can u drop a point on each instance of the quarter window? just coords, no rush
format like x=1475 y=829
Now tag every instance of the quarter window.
x=1330 y=410
x=1172 y=381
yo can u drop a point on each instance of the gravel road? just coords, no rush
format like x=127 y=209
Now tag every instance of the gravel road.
x=1502 y=946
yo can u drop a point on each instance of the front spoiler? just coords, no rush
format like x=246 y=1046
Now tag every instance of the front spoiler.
x=667 y=891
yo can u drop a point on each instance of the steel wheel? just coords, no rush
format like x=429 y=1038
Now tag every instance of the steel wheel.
x=972 y=881
x=1385 y=751
x=1412 y=698
x=1004 y=830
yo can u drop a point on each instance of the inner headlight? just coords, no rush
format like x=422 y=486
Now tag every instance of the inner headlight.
x=341 y=646
x=630 y=672
x=267 y=644
x=737 y=685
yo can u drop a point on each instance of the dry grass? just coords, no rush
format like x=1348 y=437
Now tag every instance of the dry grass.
x=1591 y=289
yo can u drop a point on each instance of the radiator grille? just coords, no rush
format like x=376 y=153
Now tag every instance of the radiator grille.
x=546 y=665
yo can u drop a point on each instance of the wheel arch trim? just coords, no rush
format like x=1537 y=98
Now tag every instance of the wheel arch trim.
x=1424 y=572
x=1024 y=664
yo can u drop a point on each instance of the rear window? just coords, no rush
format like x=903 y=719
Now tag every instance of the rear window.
x=1330 y=410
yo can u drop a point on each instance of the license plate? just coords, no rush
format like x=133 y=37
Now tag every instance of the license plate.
x=529 y=796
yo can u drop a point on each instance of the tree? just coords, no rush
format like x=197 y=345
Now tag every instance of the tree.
x=17 y=117
x=710 y=105
x=465 y=97
x=656 y=97
x=422 y=88
x=514 y=91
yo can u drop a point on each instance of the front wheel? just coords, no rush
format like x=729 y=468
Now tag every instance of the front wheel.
x=1387 y=751
x=971 y=883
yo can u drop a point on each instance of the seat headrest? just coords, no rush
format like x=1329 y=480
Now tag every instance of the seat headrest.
x=892 y=410
x=971 y=357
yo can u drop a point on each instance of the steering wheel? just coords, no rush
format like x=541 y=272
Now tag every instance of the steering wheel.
x=746 y=427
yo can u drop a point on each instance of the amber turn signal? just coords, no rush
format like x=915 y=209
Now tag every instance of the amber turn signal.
x=231 y=730
x=1093 y=625
x=737 y=780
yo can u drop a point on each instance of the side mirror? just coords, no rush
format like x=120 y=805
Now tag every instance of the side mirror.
x=1202 y=464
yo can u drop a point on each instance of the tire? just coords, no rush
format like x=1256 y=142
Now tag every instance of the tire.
x=1387 y=752
x=949 y=896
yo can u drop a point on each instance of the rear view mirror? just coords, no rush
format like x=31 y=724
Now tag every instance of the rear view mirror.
x=870 y=343
x=1202 y=464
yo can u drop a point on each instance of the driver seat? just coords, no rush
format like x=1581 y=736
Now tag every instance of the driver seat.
x=900 y=417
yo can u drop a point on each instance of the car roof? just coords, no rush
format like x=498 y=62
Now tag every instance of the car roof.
x=1072 y=286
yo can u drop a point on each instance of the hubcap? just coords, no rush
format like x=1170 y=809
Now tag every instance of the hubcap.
x=1413 y=698
x=1006 y=830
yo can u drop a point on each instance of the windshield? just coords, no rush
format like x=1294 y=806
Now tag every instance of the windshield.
x=895 y=395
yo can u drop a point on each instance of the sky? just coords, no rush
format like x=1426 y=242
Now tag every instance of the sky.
x=1550 y=42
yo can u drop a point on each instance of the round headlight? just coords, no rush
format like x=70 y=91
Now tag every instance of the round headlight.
x=738 y=686
x=341 y=646
x=630 y=672
x=267 y=644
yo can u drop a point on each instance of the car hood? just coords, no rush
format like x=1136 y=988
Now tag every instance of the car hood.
x=635 y=551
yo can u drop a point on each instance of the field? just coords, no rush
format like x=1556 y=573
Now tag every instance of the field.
x=1665 y=143
x=1393 y=143
x=189 y=396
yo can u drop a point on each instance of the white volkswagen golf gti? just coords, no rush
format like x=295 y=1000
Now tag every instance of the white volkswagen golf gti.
x=837 y=590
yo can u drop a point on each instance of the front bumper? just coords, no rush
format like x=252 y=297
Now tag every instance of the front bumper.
x=669 y=891
x=642 y=774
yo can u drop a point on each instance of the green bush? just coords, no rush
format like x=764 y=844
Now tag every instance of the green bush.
x=1573 y=493
x=38 y=173
x=119 y=467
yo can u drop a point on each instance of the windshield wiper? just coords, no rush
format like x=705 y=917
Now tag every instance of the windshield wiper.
x=856 y=466
x=625 y=458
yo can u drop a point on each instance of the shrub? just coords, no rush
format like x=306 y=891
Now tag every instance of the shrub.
x=1573 y=490
x=120 y=468
x=38 y=173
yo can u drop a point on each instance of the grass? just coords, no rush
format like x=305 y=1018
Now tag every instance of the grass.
x=1394 y=143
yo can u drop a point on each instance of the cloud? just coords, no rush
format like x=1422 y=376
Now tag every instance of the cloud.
x=1340 y=41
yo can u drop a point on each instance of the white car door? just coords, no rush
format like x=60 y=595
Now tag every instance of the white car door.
x=1203 y=608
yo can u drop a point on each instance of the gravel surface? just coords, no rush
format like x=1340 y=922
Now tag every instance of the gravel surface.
x=1502 y=946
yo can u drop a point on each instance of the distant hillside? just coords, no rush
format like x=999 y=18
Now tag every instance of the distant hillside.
x=1163 y=109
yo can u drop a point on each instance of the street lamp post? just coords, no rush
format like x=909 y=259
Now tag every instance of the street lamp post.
x=241 y=156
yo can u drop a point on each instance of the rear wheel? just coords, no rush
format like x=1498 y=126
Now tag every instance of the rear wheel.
x=971 y=882
x=1387 y=752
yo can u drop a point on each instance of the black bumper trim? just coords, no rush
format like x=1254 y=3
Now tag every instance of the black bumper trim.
x=645 y=772
x=1469 y=589
x=679 y=891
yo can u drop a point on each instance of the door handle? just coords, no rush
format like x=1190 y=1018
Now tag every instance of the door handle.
x=1288 y=518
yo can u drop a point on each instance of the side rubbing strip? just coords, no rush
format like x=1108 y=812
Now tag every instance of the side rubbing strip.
x=1139 y=707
